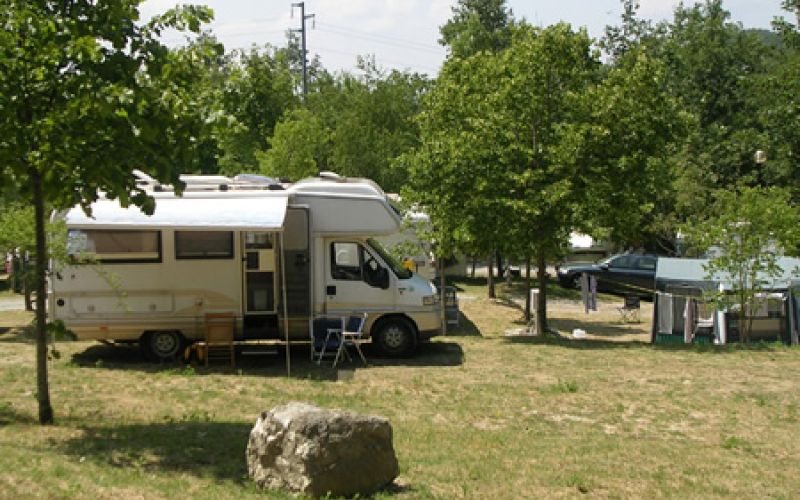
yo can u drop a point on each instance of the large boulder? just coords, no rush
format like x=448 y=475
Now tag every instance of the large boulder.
x=310 y=450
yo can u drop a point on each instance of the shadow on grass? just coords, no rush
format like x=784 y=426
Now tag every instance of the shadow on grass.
x=9 y=415
x=583 y=344
x=466 y=328
x=606 y=329
x=16 y=334
x=434 y=353
x=596 y=344
x=202 y=448
x=128 y=357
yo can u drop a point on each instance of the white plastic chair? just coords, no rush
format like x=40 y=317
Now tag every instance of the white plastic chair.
x=350 y=335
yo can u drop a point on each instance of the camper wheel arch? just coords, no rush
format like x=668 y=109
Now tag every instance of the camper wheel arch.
x=162 y=345
x=395 y=336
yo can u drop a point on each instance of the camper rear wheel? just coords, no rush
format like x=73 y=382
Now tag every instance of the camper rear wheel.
x=163 y=345
x=395 y=337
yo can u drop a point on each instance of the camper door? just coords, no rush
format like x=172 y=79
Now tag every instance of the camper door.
x=356 y=279
x=260 y=282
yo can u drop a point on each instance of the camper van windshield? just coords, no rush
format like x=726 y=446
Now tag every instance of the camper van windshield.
x=398 y=268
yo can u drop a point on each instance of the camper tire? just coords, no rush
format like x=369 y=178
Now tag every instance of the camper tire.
x=162 y=345
x=395 y=337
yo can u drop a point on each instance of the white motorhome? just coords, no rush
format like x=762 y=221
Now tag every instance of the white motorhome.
x=263 y=251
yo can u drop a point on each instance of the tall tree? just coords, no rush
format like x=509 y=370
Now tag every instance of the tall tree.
x=86 y=96
x=300 y=147
x=259 y=88
x=355 y=124
x=377 y=124
x=451 y=171
x=544 y=68
x=629 y=34
x=477 y=25
x=774 y=101
x=203 y=64
x=18 y=237
x=622 y=147
x=711 y=63
x=484 y=168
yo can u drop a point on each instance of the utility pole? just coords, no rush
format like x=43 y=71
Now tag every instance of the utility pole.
x=302 y=31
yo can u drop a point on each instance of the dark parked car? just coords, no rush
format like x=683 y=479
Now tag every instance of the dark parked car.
x=627 y=274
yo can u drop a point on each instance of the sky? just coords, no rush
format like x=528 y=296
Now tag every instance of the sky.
x=403 y=34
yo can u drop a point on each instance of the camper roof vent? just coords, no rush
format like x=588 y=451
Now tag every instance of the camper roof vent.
x=331 y=176
x=255 y=179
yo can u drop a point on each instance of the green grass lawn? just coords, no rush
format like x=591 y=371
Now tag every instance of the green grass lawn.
x=477 y=414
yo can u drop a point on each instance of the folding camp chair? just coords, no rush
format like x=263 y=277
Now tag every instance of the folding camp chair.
x=219 y=332
x=326 y=337
x=629 y=312
x=351 y=336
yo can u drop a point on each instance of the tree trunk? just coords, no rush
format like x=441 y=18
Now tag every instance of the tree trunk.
x=27 y=289
x=443 y=301
x=16 y=273
x=499 y=258
x=527 y=289
x=541 y=306
x=490 y=277
x=42 y=387
x=474 y=263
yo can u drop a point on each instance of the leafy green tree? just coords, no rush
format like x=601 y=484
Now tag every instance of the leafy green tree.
x=632 y=32
x=712 y=64
x=86 y=96
x=451 y=171
x=203 y=65
x=621 y=148
x=376 y=124
x=300 y=147
x=477 y=25
x=790 y=32
x=355 y=124
x=774 y=102
x=259 y=88
x=545 y=69
x=485 y=170
x=17 y=236
x=751 y=229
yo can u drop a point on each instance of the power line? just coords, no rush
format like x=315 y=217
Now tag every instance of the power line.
x=378 y=40
x=256 y=20
x=252 y=33
x=405 y=41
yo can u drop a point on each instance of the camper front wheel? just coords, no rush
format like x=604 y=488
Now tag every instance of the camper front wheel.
x=162 y=345
x=396 y=337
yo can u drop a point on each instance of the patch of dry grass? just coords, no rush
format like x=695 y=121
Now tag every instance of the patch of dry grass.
x=477 y=414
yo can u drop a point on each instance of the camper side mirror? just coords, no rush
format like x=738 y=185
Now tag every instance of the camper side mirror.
x=383 y=278
x=375 y=274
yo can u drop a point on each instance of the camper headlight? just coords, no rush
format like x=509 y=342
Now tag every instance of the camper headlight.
x=429 y=300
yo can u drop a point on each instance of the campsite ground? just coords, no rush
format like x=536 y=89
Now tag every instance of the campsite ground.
x=476 y=414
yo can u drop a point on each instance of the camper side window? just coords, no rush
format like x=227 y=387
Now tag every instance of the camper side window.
x=114 y=246
x=345 y=261
x=203 y=244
